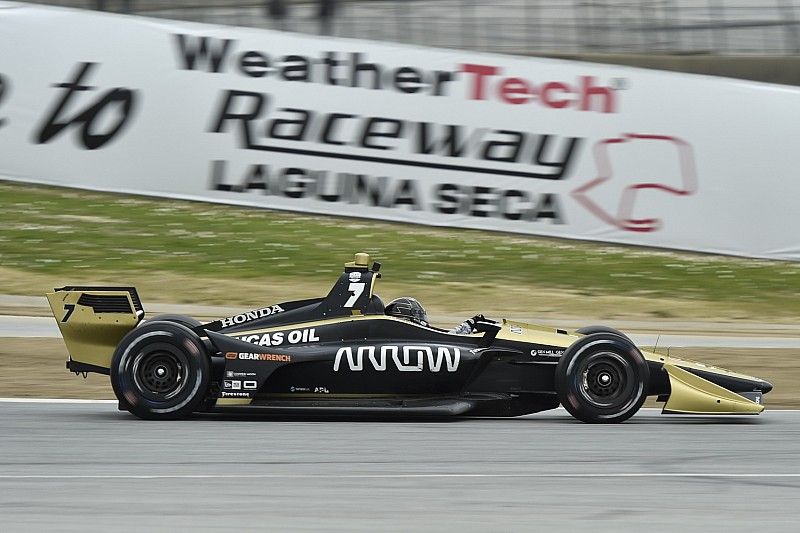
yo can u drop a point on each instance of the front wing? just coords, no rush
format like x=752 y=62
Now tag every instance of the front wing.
x=691 y=394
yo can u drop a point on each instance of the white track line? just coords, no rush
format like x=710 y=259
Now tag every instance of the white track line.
x=610 y=475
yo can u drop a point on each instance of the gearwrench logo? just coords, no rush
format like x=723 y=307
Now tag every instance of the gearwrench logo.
x=624 y=217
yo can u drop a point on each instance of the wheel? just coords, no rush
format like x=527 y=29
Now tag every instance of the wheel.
x=160 y=370
x=183 y=320
x=191 y=323
x=602 y=377
x=588 y=330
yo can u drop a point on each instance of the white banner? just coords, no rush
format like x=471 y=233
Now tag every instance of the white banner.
x=441 y=137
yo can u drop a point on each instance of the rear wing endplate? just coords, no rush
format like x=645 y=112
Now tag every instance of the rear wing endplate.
x=92 y=321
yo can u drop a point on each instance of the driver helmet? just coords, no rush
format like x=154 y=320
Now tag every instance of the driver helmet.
x=408 y=308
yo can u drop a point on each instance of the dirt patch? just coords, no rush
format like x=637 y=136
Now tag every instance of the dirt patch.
x=443 y=300
x=35 y=368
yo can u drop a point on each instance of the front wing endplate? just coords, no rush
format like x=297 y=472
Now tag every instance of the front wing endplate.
x=694 y=395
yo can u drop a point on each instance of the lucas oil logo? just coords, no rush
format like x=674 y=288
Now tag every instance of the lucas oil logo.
x=404 y=358
x=279 y=337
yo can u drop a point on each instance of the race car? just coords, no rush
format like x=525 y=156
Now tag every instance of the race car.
x=349 y=354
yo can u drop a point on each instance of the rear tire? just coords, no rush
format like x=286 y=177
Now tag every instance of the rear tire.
x=602 y=378
x=160 y=370
x=183 y=320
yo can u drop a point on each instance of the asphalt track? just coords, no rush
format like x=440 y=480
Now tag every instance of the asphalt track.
x=86 y=466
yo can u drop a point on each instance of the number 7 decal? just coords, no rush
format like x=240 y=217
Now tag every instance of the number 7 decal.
x=69 y=308
x=357 y=289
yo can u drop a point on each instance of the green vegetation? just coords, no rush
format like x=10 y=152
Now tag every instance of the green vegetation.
x=71 y=233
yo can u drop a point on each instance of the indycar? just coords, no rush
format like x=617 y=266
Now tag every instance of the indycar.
x=343 y=355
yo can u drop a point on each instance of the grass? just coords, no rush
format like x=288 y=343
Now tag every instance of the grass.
x=78 y=236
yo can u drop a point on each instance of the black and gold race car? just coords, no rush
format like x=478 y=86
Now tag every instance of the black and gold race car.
x=348 y=354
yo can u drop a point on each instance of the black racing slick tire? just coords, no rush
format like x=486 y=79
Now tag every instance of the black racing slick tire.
x=588 y=330
x=602 y=378
x=183 y=320
x=160 y=370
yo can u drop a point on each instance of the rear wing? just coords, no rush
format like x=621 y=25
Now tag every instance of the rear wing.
x=92 y=321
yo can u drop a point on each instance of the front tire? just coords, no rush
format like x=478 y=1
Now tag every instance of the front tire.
x=602 y=378
x=588 y=330
x=160 y=371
